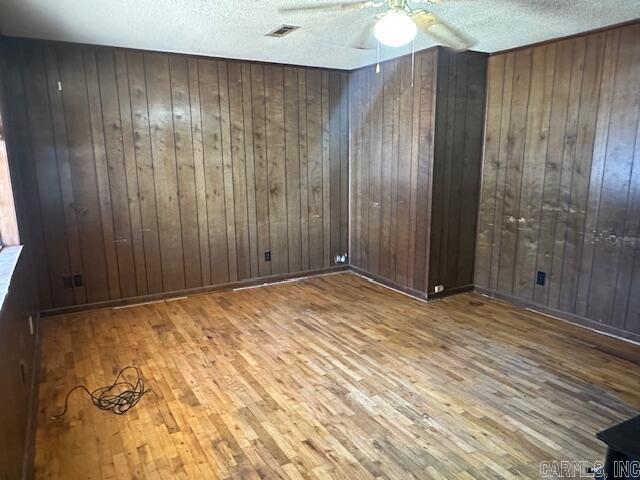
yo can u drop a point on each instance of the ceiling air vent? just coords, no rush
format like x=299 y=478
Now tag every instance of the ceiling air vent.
x=282 y=30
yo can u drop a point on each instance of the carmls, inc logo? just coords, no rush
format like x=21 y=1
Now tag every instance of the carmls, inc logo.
x=572 y=469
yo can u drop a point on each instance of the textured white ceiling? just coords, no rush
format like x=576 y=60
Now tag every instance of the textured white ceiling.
x=235 y=29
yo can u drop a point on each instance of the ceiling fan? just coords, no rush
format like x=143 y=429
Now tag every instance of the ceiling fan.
x=398 y=25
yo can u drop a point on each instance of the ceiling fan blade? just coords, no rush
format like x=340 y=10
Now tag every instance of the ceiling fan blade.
x=331 y=6
x=365 y=40
x=448 y=36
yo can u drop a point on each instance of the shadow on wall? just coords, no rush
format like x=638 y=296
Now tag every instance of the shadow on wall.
x=17 y=371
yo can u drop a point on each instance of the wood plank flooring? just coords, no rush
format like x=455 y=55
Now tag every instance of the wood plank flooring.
x=330 y=377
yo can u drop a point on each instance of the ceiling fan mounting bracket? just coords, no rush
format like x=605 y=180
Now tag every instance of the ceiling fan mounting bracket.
x=397 y=4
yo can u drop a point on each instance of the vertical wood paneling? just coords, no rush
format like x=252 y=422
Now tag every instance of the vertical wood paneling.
x=425 y=171
x=470 y=174
x=304 y=169
x=335 y=144
x=227 y=170
x=415 y=168
x=314 y=168
x=292 y=156
x=83 y=172
x=597 y=168
x=403 y=183
x=615 y=185
x=64 y=174
x=239 y=158
x=505 y=118
x=260 y=170
x=344 y=163
x=154 y=172
x=632 y=319
x=514 y=165
x=452 y=186
x=375 y=167
x=247 y=101
x=460 y=101
x=395 y=149
x=568 y=157
x=386 y=176
x=533 y=173
x=553 y=167
x=216 y=213
x=198 y=166
x=18 y=367
x=326 y=171
x=579 y=178
x=128 y=141
x=276 y=167
x=165 y=170
x=490 y=168
x=47 y=177
x=413 y=186
x=183 y=141
x=145 y=171
x=108 y=129
x=590 y=89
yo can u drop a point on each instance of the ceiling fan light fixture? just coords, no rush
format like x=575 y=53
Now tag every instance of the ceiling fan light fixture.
x=395 y=29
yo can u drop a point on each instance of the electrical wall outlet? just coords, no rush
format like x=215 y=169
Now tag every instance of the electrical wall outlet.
x=267 y=256
x=71 y=281
x=540 y=278
x=439 y=288
x=340 y=259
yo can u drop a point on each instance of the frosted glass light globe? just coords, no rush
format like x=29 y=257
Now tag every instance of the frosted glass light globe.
x=395 y=29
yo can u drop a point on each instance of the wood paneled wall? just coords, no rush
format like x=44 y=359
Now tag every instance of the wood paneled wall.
x=460 y=100
x=392 y=128
x=561 y=181
x=152 y=173
x=416 y=156
x=17 y=367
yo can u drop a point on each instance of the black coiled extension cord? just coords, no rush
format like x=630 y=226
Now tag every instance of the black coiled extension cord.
x=105 y=399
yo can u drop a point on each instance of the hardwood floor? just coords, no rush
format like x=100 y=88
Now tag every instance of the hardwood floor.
x=330 y=377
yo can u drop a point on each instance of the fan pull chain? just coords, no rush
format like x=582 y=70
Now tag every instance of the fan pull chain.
x=378 y=63
x=413 y=59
